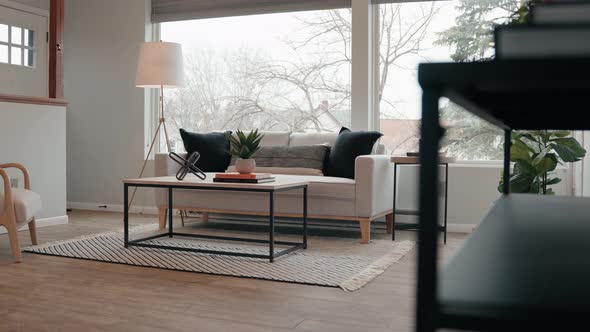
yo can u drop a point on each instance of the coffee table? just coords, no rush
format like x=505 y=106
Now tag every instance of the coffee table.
x=193 y=183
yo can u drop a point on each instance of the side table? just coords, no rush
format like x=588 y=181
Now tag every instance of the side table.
x=402 y=160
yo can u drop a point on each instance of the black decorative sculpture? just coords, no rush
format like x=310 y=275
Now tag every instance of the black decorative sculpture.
x=187 y=165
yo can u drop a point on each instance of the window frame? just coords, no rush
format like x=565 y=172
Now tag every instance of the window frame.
x=376 y=110
x=10 y=45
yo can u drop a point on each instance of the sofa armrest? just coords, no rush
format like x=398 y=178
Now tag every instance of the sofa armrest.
x=374 y=185
x=165 y=166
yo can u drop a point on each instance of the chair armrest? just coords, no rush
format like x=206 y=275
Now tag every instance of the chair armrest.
x=23 y=170
x=374 y=185
x=164 y=166
x=8 y=206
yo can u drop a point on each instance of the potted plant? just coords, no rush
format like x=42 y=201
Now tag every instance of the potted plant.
x=243 y=147
x=536 y=154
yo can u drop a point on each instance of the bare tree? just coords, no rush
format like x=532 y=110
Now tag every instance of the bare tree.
x=309 y=91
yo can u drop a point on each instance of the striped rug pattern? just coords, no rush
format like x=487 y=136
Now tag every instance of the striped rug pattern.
x=348 y=272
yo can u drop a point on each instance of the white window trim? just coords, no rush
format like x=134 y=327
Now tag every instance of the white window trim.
x=362 y=95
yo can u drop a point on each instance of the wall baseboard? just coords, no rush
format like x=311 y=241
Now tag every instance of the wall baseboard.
x=112 y=207
x=43 y=222
x=461 y=228
x=453 y=226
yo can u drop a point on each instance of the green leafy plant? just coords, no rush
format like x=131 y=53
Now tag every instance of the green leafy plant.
x=536 y=154
x=244 y=146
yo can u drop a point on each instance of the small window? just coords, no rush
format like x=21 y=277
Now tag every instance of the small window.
x=29 y=37
x=3 y=33
x=3 y=54
x=17 y=46
x=16 y=56
x=16 y=35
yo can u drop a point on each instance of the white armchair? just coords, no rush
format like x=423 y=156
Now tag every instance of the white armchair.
x=18 y=207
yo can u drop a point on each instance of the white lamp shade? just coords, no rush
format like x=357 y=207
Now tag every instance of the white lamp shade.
x=160 y=64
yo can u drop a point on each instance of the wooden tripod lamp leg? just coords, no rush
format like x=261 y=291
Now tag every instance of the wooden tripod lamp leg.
x=147 y=157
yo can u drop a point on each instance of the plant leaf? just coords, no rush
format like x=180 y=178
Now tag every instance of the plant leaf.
x=553 y=181
x=540 y=156
x=519 y=151
x=521 y=183
x=241 y=137
x=547 y=164
x=568 y=149
x=522 y=166
x=561 y=133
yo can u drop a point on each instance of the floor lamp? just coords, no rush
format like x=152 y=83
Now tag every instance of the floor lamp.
x=160 y=66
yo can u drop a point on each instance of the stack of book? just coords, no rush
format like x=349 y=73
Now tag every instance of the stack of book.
x=243 y=178
x=554 y=29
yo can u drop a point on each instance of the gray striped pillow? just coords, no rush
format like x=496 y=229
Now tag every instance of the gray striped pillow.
x=311 y=156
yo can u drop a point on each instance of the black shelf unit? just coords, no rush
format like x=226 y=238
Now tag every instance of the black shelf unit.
x=527 y=265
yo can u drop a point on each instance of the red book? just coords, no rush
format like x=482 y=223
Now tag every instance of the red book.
x=242 y=176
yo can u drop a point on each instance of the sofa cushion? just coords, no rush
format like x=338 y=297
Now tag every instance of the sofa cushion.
x=330 y=187
x=212 y=146
x=283 y=170
x=299 y=139
x=273 y=138
x=348 y=147
x=288 y=157
x=26 y=204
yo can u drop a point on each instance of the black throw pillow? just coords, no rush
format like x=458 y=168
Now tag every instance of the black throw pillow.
x=347 y=147
x=213 y=148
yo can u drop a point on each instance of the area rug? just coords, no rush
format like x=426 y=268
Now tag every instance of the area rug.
x=347 y=270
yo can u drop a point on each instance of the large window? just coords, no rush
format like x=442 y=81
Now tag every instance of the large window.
x=286 y=71
x=291 y=71
x=415 y=32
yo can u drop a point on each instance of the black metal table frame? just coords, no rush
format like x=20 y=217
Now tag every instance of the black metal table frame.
x=402 y=226
x=271 y=241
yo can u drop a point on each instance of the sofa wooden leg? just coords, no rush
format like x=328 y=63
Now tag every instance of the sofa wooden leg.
x=389 y=223
x=13 y=238
x=365 y=230
x=162 y=217
x=33 y=231
x=205 y=216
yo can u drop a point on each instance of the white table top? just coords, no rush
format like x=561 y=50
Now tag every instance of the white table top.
x=281 y=182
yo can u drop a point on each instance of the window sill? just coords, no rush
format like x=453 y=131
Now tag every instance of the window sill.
x=32 y=100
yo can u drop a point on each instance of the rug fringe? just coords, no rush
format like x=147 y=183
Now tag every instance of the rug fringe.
x=377 y=267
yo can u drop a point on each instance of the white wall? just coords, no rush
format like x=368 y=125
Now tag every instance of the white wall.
x=472 y=190
x=106 y=112
x=35 y=136
x=42 y=4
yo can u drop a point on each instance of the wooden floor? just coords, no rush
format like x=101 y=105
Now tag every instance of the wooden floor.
x=47 y=293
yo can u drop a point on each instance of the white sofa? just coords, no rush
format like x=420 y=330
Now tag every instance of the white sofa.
x=368 y=197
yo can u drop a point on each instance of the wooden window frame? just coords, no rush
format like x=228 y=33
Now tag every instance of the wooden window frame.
x=56 y=33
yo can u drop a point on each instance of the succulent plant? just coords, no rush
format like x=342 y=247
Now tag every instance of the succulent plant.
x=244 y=145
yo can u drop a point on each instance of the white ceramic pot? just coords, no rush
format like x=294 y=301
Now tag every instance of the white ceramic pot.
x=245 y=166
